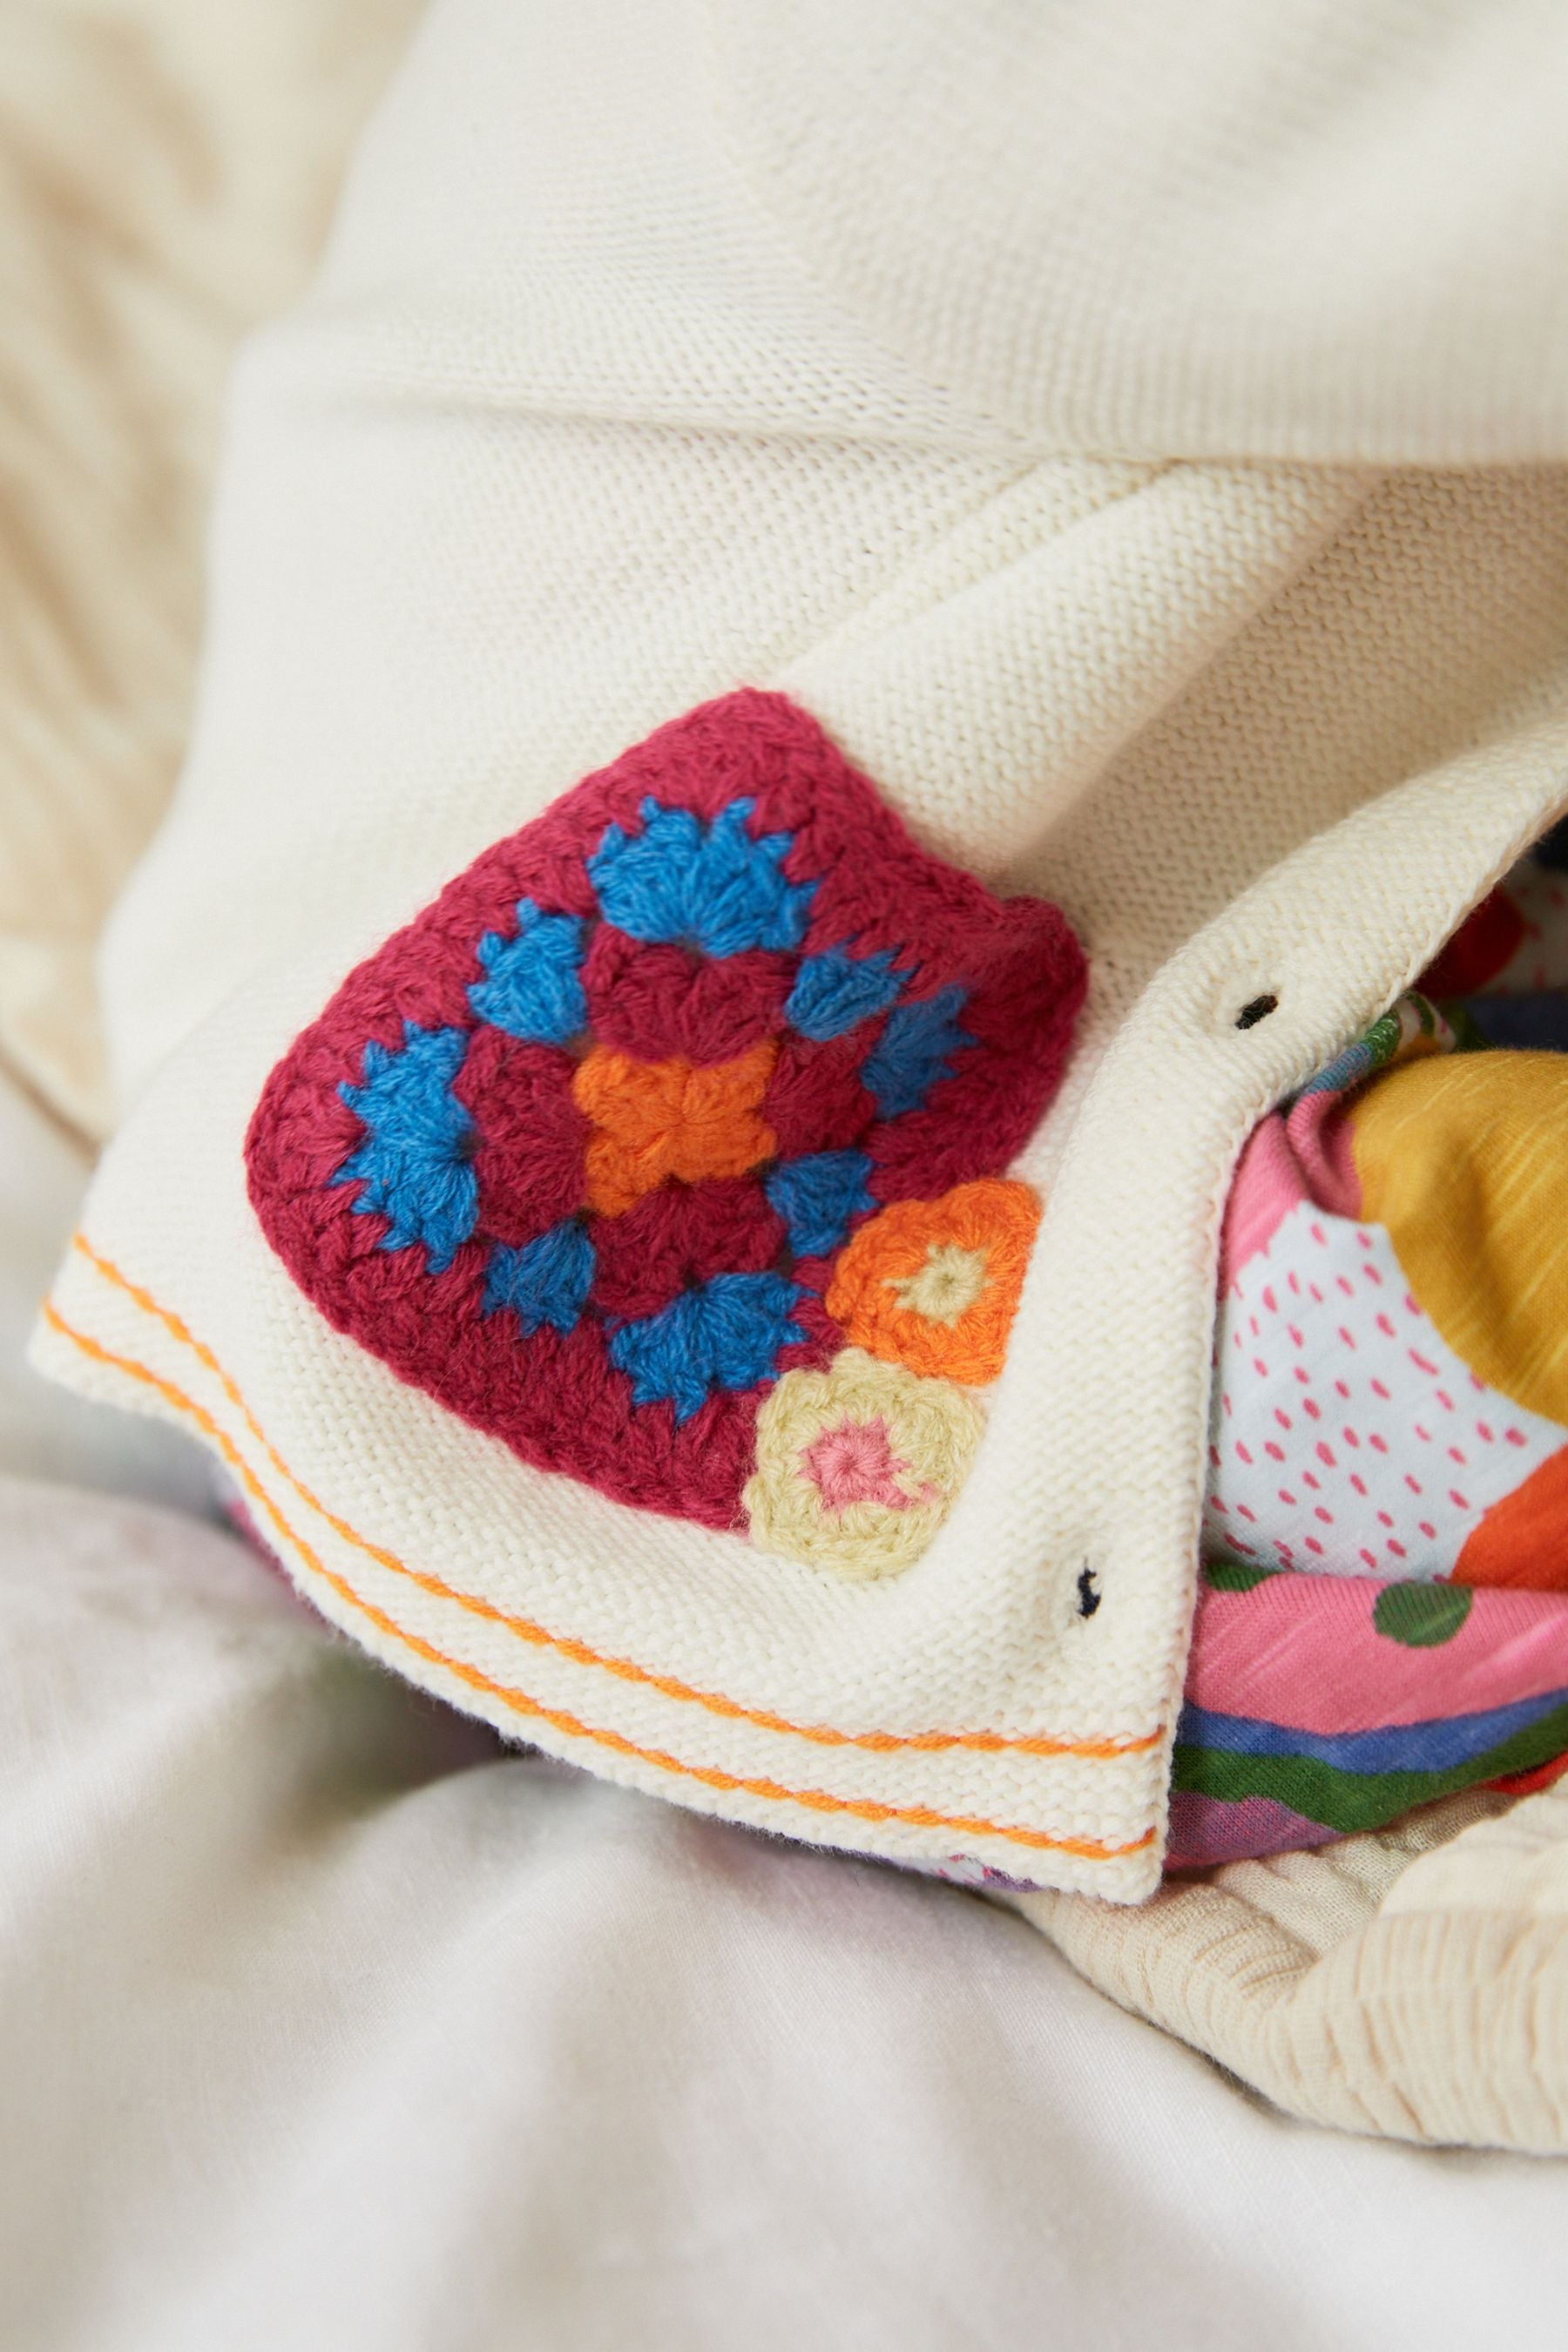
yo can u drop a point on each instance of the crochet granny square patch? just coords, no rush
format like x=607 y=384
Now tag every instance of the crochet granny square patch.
x=667 y=1146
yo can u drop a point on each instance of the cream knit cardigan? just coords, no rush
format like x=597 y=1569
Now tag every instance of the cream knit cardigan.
x=1136 y=435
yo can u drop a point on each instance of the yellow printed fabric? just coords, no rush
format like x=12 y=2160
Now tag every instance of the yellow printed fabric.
x=1464 y=1160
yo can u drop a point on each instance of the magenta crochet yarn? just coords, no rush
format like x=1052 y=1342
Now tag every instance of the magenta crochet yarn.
x=577 y=1150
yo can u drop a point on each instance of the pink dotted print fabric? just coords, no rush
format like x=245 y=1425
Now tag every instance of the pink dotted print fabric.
x=1384 y=1614
x=1390 y=1376
x=1349 y=1437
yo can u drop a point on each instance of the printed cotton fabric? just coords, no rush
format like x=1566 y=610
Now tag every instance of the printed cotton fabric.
x=1384 y=1614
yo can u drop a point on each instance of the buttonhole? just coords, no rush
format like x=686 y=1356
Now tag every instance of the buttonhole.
x=1088 y=1594
x=1257 y=1010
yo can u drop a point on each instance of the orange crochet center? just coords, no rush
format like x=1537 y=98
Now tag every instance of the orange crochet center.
x=656 y=1121
x=934 y=1285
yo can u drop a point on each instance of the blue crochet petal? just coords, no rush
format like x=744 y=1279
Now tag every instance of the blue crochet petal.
x=726 y=1335
x=914 y=1051
x=834 y=990
x=546 y=1281
x=817 y=1195
x=415 y=1161
x=710 y=887
x=533 y=989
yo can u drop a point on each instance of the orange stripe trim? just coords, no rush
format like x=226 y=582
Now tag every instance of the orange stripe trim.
x=815 y=1800
x=823 y=1735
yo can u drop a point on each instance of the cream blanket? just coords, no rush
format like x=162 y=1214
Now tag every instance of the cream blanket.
x=325 y=2026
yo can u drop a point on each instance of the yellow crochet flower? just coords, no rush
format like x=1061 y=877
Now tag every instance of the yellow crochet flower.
x=858 y=1466
x=935 y=1284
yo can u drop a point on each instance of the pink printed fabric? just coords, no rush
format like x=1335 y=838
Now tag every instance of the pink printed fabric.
x=1316 y=1707
x=1350 y=1436
x=1382 y=1620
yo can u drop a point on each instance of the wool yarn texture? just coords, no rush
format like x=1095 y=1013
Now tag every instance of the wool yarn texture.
x=935 y=1284
x=883 y=1453
x=610 y=1257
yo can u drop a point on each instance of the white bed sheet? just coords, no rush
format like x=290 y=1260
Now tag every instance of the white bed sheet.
x=325 y=2023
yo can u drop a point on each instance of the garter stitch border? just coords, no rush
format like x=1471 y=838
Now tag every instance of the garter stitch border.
x=579 y=1653
x=522 y=1704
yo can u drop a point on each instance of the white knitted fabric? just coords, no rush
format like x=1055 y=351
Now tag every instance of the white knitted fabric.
x=1321 y=231
x=640 y=369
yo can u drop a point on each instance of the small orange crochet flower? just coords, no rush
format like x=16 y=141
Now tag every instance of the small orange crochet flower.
x=659 y=1120
x=934 y=1283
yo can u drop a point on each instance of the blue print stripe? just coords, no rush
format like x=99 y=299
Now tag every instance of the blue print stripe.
x=1432 y=1747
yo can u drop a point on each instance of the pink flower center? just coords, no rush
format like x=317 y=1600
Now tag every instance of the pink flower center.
x=855 y=1462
